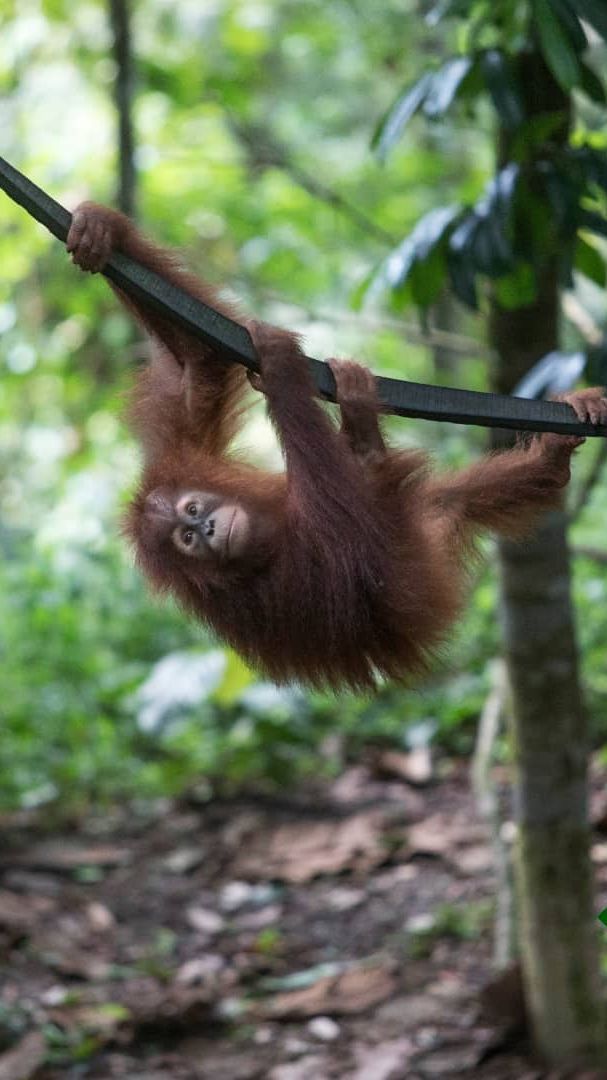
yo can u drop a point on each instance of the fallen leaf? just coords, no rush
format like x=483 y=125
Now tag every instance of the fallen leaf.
x=429 y=837
x=414 y=767
x=184 y=860
x=54 y=856
x=406 y=1013
x=450 y=1060
x=473 y=860
x=100 y=917
x=78 y=962
x=20 y=913
x=203 y=969
x=383 y=1062
x=350 y=991
x=101 y=1020
x=307 y=1068
x=205 y=920
x=168 y=1007
x=299 y=851
x=323 y=1028
x=343 y=898
x=24 y=1059
x=357 y=785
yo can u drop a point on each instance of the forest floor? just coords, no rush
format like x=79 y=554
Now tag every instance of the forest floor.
x=344 y=932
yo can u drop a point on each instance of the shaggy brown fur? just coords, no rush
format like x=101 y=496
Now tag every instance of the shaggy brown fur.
x=364 y=570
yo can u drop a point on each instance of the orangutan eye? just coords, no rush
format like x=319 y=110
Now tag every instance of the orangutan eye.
x=191 y=509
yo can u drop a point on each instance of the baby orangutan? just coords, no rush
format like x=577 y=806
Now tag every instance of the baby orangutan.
x=348 y=566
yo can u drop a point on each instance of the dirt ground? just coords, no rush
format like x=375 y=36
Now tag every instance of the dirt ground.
x=344 y=932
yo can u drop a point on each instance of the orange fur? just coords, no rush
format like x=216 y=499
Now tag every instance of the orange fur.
x=365 y=570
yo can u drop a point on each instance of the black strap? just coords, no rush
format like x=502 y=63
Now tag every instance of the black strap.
x=396 y=395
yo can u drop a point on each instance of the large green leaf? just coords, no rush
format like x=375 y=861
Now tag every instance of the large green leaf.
x=592 y=85
x=504 y=186
x=427 y=278
x=571 y=24
x=559 y=53
x=593 y=166
x=480 y=242
x=553 y=374
x=461 y=238
x=588 y=219
x=589 y=261
x=462 y=276
x=416 y=247
x=392 y=125
x=595 y=12
x=498 y=255
x=500 y=79
x=395 y=270
x=597 y=364
x=445 y=85
x=482 y=237
x=431 y=229
x=499 y=205
x=446 y=8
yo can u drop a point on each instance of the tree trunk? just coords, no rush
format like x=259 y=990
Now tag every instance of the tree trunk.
x=558 y=940
x=123 y=96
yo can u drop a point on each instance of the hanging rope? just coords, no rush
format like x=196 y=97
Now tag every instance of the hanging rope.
x=396 y=395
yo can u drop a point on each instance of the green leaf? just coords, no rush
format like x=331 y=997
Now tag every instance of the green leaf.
x=237 y=677
x=430 y=230
x=395 y=270
x=593 y=165
x=416 y=247
x=445 y=85
x=556 y=46
x=483 y=234
x=483 y=252
x=481 y=238
x=461 y=237
x=462 y=277
x=553 y=374
x=446 y=8
x=416 y=269
x=427 y=278
x=593 y=222
x=571 y=24
x=595 y=12
x=505 y=184
x=501 y=82
x=597 y=364
x=592 y=85
x=589 y=262
x=492 y=248
x=491 y=252
x=392 y=125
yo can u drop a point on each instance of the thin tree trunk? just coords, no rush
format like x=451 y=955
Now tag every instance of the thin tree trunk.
x=558 y=941
x=123 y=96
x=445 y=318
